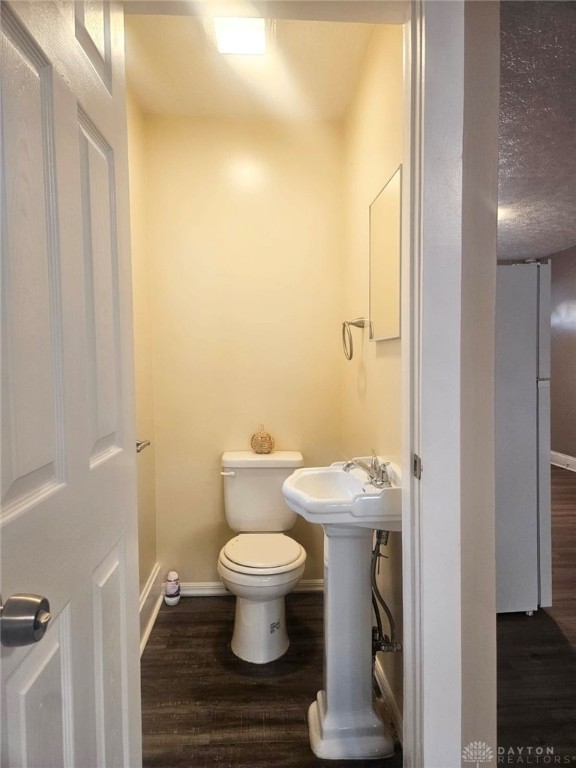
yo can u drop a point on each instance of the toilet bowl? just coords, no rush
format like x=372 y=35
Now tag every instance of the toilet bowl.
x=260 y=569
x=260 y=565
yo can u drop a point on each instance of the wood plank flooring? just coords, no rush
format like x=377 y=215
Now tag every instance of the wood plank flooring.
x=537 y=654
x=203 y=707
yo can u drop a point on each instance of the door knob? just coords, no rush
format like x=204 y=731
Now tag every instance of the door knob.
x=24 y=619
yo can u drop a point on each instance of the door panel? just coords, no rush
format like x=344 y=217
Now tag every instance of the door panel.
x=35 y=711
x=39 y=703
x=101 y=286
x=92 y=25
x=31 y=310
x=68 y=517
x=110 y=630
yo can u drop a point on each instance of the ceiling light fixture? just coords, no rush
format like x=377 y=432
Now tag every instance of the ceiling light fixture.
x=242 y=36
x=506 y=212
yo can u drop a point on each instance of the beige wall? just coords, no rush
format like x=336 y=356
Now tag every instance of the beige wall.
x=563 y=353
x=373 y=151
x=142 y=341
x=244 y=235
x=371 y=405
x=257 y=235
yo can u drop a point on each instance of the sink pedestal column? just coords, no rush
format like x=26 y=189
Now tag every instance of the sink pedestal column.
x=342 y=721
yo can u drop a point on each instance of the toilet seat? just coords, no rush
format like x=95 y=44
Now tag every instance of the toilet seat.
x=262 y=554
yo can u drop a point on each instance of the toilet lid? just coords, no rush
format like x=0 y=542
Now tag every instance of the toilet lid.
x=262 y=550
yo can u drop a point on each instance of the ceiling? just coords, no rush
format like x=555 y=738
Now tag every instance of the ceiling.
x=537 y=167
x=309 y=72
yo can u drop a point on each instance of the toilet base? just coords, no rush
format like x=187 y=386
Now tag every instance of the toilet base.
x=260 y=630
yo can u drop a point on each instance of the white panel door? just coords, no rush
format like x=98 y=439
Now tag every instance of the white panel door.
x=68 y=514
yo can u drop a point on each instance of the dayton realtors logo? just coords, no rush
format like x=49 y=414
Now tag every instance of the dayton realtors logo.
x=533 y=756
x=477 y=752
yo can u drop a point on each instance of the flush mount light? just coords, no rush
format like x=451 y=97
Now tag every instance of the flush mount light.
x=505 y=213
x=240 y=35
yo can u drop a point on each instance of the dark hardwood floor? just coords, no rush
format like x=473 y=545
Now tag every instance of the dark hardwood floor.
x=203 y=707
x=537 y=654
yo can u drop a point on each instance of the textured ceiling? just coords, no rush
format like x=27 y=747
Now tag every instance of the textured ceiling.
x=309 y=72
x=537 y=169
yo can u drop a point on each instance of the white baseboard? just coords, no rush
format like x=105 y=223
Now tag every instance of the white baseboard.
x=563 y=460
x=150 y=602
x=202 y=588
x=388 y=697
x=310 y=585
x=214 y=588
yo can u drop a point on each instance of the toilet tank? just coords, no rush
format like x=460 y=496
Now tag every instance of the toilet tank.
x=253 y=498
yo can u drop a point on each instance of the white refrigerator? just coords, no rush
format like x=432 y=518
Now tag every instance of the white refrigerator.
x=523 y=512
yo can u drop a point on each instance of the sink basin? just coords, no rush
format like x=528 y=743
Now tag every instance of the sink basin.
x=330 y=496
x=342 y=722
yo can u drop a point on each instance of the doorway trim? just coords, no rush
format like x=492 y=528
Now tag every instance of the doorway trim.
x=412 y=742
x=440 y=670
x=449 y=635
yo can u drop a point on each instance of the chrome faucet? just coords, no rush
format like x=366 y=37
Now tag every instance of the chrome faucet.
x=377 y=472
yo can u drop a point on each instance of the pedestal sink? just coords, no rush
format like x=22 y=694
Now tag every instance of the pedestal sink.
x=342 y=721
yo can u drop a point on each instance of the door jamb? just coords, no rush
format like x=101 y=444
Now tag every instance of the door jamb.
x=410 y=348
x=410 y=356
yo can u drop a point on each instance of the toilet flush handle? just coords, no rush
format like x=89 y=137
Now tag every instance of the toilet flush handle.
x=229 y=473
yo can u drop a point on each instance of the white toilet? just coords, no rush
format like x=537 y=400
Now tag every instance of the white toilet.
x=261 y=564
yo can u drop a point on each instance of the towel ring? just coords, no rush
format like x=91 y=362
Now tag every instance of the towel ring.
x=347 y=342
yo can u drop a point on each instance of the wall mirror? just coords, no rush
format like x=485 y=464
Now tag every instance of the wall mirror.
x=385 y=234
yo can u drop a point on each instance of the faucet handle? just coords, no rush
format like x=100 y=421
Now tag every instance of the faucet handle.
x=380 y=471
x=383 y=475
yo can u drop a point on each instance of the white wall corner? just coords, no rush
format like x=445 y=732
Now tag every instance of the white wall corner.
x=150 y=602
x=563 y=460
x=390 y=704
